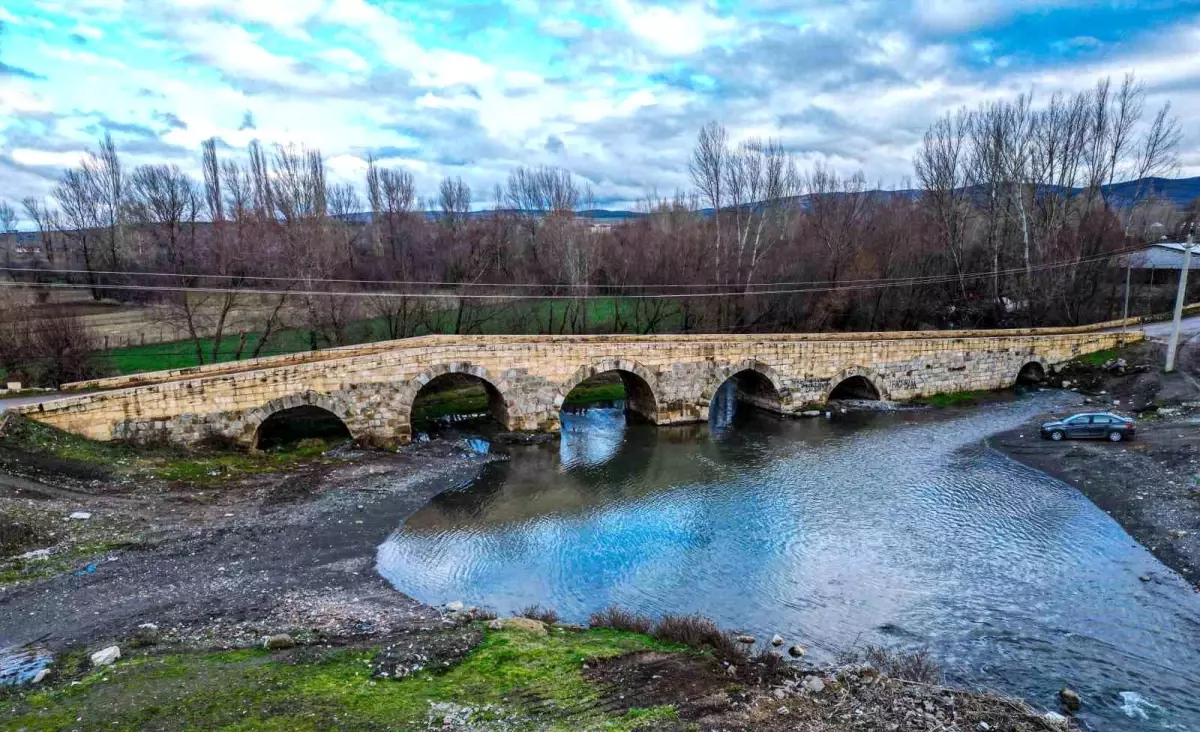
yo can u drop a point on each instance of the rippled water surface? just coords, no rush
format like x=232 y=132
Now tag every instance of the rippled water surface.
x=901 y=528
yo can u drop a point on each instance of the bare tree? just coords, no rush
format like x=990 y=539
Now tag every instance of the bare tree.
x=8 y=218
x=454 y=200
x=80 y=201
x=108 y=179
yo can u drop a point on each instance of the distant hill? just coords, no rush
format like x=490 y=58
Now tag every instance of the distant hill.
x=1179 y=191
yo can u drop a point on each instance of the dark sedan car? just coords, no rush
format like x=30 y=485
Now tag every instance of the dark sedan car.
x=1097 y=426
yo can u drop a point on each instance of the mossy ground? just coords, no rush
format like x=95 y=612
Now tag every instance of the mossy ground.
x=24 y=436
x=956 y=398
x=1099 y=358
x=524 y=680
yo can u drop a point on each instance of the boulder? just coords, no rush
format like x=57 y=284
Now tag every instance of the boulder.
x=278 y=642
x=106 y=657
x=747 y=639
x=1054 y=720
x=797 y=651
x=814 y=685
x=777 y=640
x=455 y=606
x=80 y=515
x=528 y=625
x=1070 y=699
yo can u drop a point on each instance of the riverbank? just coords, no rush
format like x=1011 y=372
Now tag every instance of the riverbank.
x=1151 y=486
x=215 y=568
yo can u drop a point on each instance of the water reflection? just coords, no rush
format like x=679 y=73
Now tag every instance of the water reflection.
x=897 y=528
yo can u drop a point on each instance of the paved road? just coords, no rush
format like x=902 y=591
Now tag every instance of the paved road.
x=1162 y=331
x=22 y=401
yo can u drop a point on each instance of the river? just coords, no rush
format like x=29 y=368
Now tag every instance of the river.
x=900 y=528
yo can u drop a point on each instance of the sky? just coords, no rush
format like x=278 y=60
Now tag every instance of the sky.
x=613 y=90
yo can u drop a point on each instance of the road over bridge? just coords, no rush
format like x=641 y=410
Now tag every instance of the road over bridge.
x=669 y=379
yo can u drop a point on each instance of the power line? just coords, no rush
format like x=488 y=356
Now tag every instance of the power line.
x=793 y=287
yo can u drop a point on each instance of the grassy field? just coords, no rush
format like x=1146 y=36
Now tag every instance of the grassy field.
x=524 y=318
x=314 y=689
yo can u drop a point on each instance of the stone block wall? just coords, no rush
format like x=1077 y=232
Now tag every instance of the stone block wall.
x=671 y=379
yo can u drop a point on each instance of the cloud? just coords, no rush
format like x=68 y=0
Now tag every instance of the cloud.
x=676 y=32
x=616 y=89
x=6 y=70
x=170 y=120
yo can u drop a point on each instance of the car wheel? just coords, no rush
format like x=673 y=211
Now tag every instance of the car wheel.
x=1115 y=436
x=1057 y=435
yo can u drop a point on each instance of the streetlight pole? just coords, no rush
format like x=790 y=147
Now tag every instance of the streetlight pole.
x=1173 y=344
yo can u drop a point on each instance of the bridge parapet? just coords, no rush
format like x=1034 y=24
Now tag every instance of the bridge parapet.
x=670 y=379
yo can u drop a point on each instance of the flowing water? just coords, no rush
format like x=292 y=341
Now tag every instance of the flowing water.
x=901 y=529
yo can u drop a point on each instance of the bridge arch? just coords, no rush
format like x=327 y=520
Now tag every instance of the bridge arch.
x=498 y=404
x=641 y=385
x=255 y=419
x=857 y=382
x=757 y=384
x=1033 y=371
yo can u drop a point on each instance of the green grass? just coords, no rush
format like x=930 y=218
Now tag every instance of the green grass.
x=1099 y=357
x=523 y=318
x=317 y=690
x=585 y=394
x=954 y=398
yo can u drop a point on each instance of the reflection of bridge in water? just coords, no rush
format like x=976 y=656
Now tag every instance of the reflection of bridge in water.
x=667 y=379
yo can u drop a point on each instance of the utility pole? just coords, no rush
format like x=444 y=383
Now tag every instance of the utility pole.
x=1125 y=311
x=1173 y=344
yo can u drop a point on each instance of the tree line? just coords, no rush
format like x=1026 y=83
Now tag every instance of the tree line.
x=1012 y=223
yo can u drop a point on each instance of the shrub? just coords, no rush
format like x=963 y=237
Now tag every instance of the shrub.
x=769 y=666
x=535 y=612
x=696 y=631
x=65 y=348
x=618 y=619
x=914 y=666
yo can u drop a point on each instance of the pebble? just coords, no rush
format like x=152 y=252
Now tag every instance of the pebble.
x=1145 y=578
x=80 y=515
x=813 y=684
x=40 y=675
x=106 y=657
x=782 y=711
x=745 y=639
x=278 y=642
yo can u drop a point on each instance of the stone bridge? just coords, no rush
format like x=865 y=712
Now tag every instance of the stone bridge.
x=669 y=379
